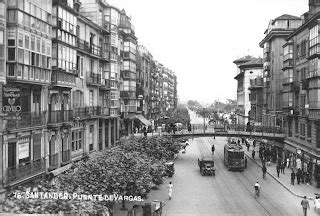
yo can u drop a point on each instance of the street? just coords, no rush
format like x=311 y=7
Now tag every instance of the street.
x=227 y=193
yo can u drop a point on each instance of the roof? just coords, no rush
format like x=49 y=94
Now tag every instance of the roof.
x=251 y=63
x=287 y=17
x=243 y=59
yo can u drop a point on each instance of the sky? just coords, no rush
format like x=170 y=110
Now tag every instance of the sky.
x=199 y=40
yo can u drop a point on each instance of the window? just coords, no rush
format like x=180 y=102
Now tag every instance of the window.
x=309 y=129
x=26 y=41
x=20 y=40
x=33 y=41
x=91 y=137
x=11 y=42
x=76 y=139
x=302 y=129
x=296 y=126
x=11 y=16
x=20 y=55
x=91 y=98
x=11 y=54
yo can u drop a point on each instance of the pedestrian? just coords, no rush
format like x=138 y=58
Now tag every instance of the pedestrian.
x=245 y=162
x=278 y=170
x=308 y=178
x=293 y=176
x=299 y=176
x=254 y=143
x=248 y=146
x=305 y=205
x=264 y=171
x=288 y=162
x=170 y=187
x=283 y=166
x=317 y=205
x=253 y=154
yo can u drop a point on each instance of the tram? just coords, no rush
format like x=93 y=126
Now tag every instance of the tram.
x=234 y=155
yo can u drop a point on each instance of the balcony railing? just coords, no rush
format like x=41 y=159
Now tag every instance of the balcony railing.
x=28 y=120
x=288 y=64
x=87 y=112
x=287 y=80
x=295 y=87
x=256 y=83
x=25 y=170
x=60 y=116
x=94 y=79
x=63 y=78
x=314 y=104
x=53 y=161
x=65 y=156
x=130 y=108
x=89 y=48
x=314 y=73
x=288 y=56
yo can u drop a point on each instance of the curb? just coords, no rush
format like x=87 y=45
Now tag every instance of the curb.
x=274 y=177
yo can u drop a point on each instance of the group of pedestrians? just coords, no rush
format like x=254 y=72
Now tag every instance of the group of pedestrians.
x=301 y=176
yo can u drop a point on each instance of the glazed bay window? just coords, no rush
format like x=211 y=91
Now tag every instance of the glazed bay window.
x=314 y=40
x=91 y=137
x=314 y=68
x=314 y=99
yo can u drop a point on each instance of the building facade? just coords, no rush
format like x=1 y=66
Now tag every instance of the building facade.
x=302 y=142
x=248 y=69
x=275 y=35
x=69 y=85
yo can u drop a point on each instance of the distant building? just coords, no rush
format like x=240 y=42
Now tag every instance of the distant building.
x=247 y=68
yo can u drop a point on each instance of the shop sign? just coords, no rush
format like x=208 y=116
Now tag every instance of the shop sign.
x=11 y=102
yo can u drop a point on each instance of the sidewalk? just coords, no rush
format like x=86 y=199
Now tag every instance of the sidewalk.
x=284 y=179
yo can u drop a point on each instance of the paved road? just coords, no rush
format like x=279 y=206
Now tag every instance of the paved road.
x=196 y=119
x=227 y=193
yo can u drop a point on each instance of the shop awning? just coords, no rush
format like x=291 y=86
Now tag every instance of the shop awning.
x=143 y=120
x=61 y=170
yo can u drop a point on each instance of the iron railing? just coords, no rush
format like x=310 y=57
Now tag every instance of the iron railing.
x=59 y=116
x=27 y=120
x=25 y=170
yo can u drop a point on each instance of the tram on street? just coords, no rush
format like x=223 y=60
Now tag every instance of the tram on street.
x=234 y=156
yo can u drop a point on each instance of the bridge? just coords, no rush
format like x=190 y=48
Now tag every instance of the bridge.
x=273 y=134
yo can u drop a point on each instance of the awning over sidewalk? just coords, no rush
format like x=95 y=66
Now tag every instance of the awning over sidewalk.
x=143 y=120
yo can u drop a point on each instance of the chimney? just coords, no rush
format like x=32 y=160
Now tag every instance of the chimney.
x=314 y=6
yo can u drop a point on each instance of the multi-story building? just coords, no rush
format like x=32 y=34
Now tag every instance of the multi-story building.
x=301 y=93
x=275 y=35
x=104 y=80
x=248 y=68
x=26 y=79
x=256 y=100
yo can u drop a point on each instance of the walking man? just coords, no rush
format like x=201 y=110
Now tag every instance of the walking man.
x=170 y=187
x=293 y=176
x=278 y=170
x=253 y=154
x=305 y=205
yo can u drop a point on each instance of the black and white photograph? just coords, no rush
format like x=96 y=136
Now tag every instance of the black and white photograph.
x=160 y=107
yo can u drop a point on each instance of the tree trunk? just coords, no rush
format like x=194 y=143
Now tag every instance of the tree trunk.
x=123 y=205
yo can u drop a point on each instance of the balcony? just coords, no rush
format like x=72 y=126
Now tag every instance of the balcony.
x=34 y=75
x=53 y=161
x=288 y=56
x=256 y=83
x=294 y=86
x=25 y=170
x=93 y=79
x=105 y=111
x=88 y=48
x=63 y=79
x=60 y=116
x=87 y=112
x=314 y=104
x=130 y=108
x=127 y=94
x=27 y=120
x=65 y=157
x=313 y=74
x=287 y=64
x=287 y=80
x=106 y=25
x=105 y=55
x=314 y=49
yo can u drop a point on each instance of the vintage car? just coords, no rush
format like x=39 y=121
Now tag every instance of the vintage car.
x=206 y=165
